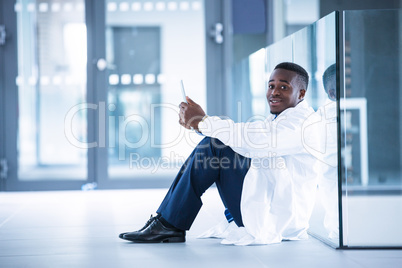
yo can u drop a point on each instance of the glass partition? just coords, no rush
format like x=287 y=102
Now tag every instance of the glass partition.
x=314 y=48
x=371 y=123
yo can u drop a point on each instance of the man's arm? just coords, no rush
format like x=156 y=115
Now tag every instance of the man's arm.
x=280 y=137
x=283 y=136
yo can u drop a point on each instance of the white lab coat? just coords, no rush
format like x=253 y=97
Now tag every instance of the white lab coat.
x=279 y=188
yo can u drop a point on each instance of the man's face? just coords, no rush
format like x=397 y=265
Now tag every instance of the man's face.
x=330 y=86
x=283 y=91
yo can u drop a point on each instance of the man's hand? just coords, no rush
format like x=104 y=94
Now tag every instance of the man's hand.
x=190 y=114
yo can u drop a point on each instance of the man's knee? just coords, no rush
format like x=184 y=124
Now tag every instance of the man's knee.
x=209 y=142
x=205 y=141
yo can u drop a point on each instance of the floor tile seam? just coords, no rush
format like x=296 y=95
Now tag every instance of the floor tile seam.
x=80 y=238
x=65 y=226
x=356 y=262
x=40 y=255
x=12 y=215
x=258 y=259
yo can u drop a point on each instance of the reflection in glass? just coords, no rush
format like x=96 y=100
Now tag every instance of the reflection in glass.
x=51 y=81
x=315 y=48
x=328 y=181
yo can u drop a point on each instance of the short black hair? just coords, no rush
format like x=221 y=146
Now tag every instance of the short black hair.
x=302 y=73
x=329 y=75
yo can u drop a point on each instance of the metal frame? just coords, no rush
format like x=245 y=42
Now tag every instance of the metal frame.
x=2 y=103
x=216 y=55
x=339 y=81
x=96 y=87
x=9 y=93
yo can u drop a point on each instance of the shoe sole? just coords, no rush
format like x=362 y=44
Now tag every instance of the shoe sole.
x=165 y=240
x=146 y=225
x=174 y=240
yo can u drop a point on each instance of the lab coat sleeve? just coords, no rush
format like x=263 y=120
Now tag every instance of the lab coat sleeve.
x=258 y=139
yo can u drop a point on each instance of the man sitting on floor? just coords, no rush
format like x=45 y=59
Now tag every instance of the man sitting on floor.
x=264 y=175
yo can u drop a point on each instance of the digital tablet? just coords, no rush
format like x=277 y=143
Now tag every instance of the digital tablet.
x=182 y=91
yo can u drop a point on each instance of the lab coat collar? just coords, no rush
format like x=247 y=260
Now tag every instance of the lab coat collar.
x=301 y=105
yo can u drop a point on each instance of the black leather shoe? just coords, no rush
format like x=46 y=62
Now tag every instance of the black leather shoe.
x=151 y=219
x=156 y=232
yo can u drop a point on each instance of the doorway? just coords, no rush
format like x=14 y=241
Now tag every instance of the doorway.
x=90 y=90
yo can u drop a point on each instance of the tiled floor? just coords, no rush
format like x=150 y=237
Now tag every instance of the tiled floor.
x=80 y=229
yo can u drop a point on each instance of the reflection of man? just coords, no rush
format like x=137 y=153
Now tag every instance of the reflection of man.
x=264 y=176
x=329 y=82
x=328 y=179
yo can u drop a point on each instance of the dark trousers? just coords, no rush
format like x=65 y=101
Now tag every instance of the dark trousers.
x=210 y=162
